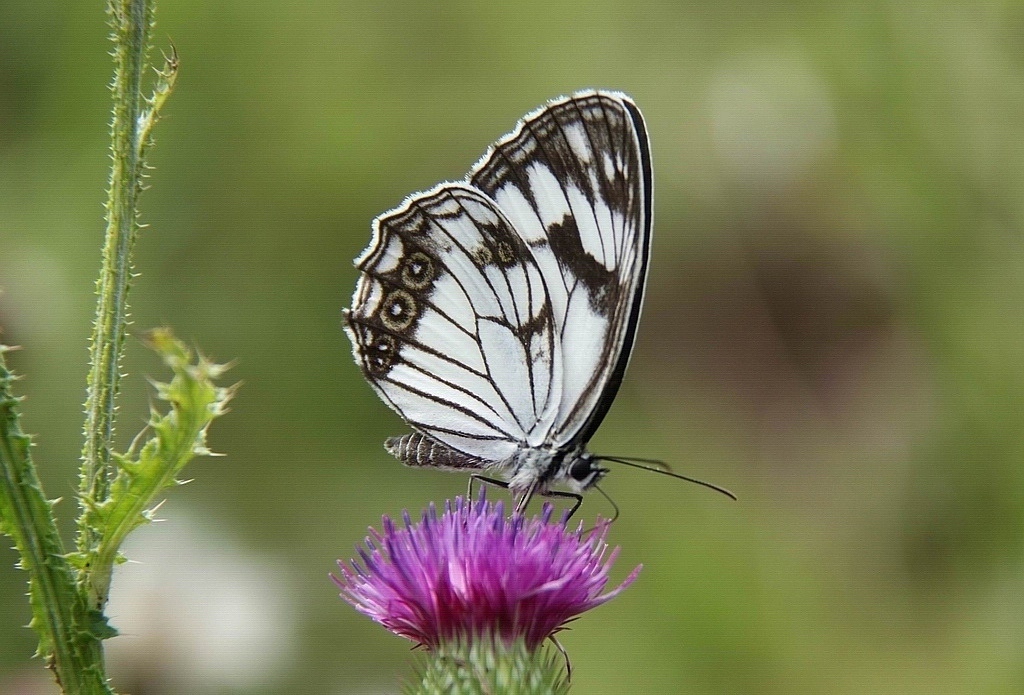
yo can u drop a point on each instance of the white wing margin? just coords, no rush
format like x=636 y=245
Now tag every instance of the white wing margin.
x=452 y=324
x=575 y=180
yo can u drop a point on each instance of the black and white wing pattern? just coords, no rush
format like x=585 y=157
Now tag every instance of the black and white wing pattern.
x=575 y=180
x=497 y=315
x=452 y=324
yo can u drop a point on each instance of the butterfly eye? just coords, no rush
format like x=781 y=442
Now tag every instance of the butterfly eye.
x=581 y=470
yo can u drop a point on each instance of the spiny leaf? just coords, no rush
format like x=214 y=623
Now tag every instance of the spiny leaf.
x=173 y=438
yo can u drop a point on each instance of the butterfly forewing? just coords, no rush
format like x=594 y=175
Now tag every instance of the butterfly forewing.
x=452 y=325
x=575 y=180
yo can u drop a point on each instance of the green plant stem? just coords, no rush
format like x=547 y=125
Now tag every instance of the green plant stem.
x=66 y=606
x=60 y=615
x=131 y=21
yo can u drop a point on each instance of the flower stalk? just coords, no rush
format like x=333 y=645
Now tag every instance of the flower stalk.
x=70 y=633
x=131 y=126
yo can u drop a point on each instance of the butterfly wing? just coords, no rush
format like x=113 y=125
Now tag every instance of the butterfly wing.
x=452 y=325
x=575 y=180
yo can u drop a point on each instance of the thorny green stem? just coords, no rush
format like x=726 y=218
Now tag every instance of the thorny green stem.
x=68 y=616
x=133 y=119
x=60 y=615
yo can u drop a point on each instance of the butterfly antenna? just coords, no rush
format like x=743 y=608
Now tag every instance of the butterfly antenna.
x=646 y=466
x=656 y=463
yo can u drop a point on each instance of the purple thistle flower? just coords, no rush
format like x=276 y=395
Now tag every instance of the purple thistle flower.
x=474 y=573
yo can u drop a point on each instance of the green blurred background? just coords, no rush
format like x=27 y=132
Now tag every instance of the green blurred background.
x=833 y=328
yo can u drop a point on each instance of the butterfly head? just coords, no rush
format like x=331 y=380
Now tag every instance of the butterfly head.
x=583 y=471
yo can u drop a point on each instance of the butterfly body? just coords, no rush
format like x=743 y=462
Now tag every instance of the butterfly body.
x=528 y=471
x=496 y=315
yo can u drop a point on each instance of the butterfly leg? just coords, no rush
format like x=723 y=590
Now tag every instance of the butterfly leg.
x=568 y=496
x=523 y=501
x=483 y=480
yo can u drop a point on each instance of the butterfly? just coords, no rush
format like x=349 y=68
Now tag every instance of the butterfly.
x=497 y=314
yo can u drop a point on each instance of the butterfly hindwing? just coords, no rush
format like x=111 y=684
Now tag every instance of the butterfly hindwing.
x=452 y=324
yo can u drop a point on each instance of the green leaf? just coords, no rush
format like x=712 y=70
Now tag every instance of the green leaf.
x=171 y=440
